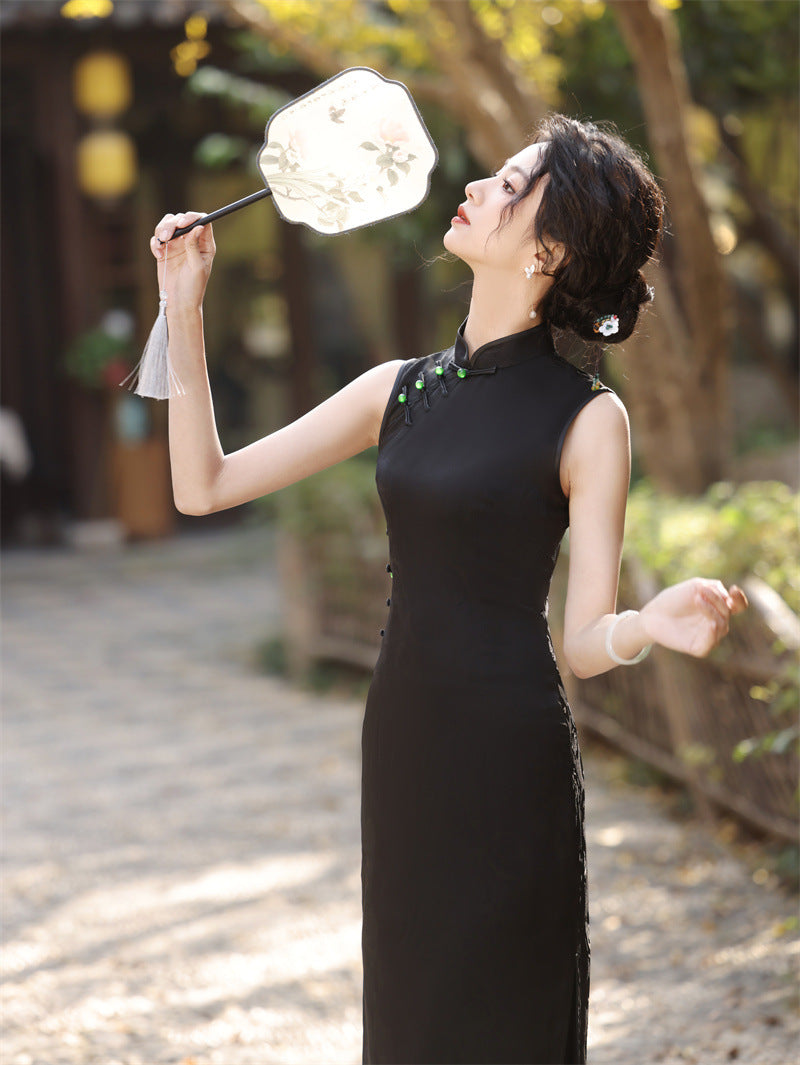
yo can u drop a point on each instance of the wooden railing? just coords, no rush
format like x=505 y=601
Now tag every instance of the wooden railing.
x=685 y=715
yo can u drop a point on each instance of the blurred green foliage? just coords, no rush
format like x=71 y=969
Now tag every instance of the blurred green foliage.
x=339 y=499
x=739 y=53
x=727 y=533
x=91 y=353
x=337 y=515
x=780 y=695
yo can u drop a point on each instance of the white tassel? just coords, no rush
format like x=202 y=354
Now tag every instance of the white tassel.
x=157 y=379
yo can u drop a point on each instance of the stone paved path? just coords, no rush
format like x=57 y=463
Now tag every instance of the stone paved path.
x=182 y=879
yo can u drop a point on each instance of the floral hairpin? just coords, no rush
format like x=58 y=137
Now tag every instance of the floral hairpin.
x=606 y=324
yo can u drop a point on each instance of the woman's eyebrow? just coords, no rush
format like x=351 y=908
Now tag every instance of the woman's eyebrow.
x=518 y=169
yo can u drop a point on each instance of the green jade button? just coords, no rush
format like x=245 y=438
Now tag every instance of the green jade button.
x=420 y=384
x=439 y=370
x=461 y=371
x=401 y=398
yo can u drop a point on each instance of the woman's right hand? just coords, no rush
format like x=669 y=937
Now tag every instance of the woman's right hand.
x=692 y=616
x=183 y=264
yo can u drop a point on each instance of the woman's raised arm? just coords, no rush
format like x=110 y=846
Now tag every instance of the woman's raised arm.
x=204 y=479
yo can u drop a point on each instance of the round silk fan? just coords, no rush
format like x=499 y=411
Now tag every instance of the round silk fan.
x=352 y=152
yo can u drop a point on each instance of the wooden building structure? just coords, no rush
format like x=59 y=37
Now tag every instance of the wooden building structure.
x=67 y=257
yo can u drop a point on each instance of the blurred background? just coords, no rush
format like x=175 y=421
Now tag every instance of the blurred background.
x=115 y=112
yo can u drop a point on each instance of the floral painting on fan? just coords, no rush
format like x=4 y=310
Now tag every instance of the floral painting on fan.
x=348 y=154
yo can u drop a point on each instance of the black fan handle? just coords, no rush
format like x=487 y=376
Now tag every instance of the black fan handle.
x=220 y=213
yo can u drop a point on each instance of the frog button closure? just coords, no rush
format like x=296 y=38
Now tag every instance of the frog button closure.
x=439 y=371
x=471 y=371
x=402 y=398
x=420 y=384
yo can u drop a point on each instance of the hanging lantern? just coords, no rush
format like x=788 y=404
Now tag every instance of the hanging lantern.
x=102 y=85
x=87 y=9
x=106 y=163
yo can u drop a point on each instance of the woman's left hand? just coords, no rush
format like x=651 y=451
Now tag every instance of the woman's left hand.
x=692 y=616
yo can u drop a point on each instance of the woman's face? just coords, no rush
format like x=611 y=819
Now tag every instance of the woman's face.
x=473 y=235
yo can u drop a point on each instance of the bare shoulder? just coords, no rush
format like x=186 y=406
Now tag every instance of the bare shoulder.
x=384 y=375
x=380 y=380
x=600 y=430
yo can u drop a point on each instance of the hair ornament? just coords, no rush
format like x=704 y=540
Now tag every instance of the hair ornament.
x=607 y=324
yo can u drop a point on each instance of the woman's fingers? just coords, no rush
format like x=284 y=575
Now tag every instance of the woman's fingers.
x=716 y=606
x=721 y=593
x=170 y=222
x=195 y=249
x=165 y=228
x=740 y=600
x=719 y=604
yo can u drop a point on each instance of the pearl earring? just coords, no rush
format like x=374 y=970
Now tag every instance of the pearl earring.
x=529 y=272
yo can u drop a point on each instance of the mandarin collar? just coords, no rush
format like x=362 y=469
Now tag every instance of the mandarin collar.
x=505 y=351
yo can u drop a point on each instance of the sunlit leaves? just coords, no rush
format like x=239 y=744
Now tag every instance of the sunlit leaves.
x=397 y=36
x=728 y=532
x=358 y=32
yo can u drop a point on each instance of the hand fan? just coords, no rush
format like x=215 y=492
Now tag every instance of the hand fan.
x=352 y=152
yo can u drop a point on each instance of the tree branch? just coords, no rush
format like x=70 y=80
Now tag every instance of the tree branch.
x=651 y=36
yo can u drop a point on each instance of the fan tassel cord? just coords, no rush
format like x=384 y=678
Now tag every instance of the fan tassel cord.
x=156 y=377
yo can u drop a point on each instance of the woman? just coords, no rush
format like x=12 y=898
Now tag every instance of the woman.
x=475 y=932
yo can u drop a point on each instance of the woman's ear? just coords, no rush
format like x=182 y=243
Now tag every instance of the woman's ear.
x=558 y=256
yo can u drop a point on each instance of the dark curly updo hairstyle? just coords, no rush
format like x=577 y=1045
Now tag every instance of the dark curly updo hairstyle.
x=603 y=204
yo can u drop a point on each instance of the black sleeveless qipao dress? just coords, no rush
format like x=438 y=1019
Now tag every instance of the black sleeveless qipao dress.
x=475 y=933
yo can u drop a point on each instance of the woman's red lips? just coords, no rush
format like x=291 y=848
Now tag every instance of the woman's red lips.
x=461 y=216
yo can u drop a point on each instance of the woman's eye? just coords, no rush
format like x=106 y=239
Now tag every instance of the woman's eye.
x=508 y=186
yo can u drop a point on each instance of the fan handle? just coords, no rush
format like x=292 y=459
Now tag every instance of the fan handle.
x=220 y=213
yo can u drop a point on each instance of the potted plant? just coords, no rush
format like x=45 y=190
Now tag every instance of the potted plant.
x=134 y=464
x=100 y=357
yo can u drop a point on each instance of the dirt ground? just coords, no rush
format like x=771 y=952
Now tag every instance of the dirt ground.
x=181 y=836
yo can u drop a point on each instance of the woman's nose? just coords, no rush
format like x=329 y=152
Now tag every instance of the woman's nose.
x=471 y=189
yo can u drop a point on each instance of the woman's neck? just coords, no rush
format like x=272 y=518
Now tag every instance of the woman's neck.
x=499 y=307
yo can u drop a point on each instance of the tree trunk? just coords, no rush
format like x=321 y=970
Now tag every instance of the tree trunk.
x=692 y=372
x=408 y=312
x=298 y=302
x=655 y=364
x=495 y=104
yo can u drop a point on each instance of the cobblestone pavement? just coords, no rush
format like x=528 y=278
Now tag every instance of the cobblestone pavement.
x=181 y=836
